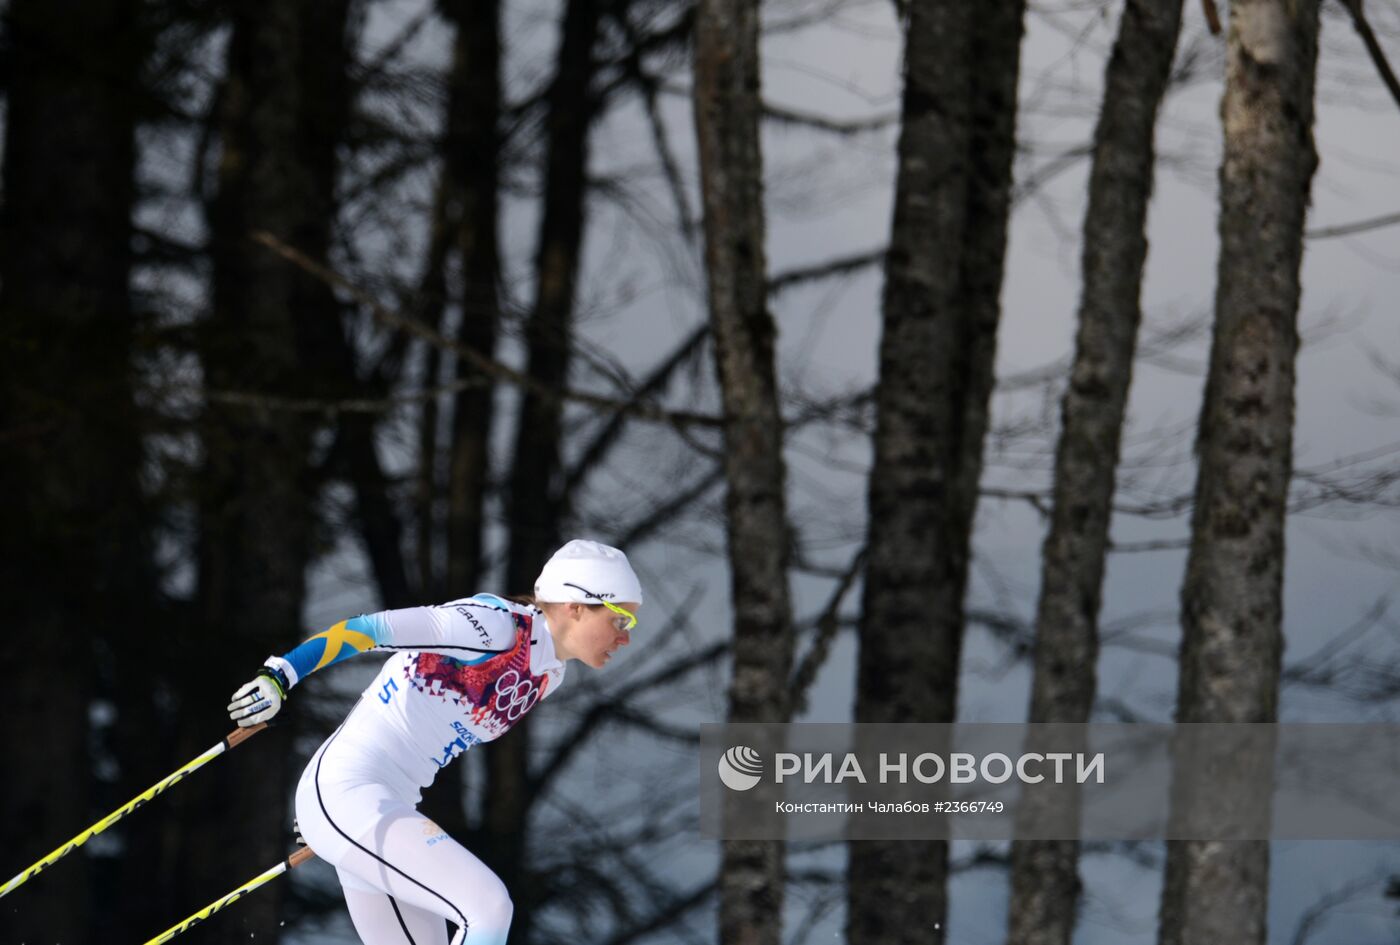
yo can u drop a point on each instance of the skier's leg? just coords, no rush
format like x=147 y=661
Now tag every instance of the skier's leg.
x=380 y=919
x=408 y=857
x=364 y=828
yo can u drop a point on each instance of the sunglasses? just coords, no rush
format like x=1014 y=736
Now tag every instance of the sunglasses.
x=620 y=611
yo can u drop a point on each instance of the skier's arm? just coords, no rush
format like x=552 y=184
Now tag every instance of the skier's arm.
x=261 y=698
x=346 y=639
x=467 y=630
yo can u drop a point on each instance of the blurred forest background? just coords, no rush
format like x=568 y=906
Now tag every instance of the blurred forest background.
x=315 y=307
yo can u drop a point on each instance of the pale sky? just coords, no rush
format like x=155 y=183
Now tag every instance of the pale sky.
x=830 y=195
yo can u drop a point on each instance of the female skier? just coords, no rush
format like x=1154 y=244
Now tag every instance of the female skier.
x=461 y=673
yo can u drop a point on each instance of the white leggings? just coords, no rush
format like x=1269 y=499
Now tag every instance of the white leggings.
x=402 y=876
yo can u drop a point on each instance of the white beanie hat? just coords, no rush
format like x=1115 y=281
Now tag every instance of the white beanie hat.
x=587 y=572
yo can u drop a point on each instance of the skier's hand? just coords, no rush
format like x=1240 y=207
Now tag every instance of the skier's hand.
x=259 y=700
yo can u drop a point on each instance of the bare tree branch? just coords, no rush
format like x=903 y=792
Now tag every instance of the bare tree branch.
x=827 y=627
x=848 y=127
x=663 y=513
x=1165 y=544
x=1212 y=16
x=1373 y=46
x=1313 y=916
x=675 y=418
x=391 y=50
x=668 y=914
x=832 y=268
x=609 y=709
x=332 y=407
x=610 y=434
x=1349 y=229
x=650 y=87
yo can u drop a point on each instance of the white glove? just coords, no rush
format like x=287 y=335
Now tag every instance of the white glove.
x=259 y=700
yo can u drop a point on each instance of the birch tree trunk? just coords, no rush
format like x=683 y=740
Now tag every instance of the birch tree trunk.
x=1044 y=873
x=276 y=173
x=1232 y=598
x=941 y=308
x=74 y=535
x=727 y=108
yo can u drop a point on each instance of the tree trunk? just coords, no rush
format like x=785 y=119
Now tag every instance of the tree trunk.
x=1232 y=598
x=535 y=505
x=470 y=183
x=534 y=502
x=472 y=152
x=1044 y=873
x=941 y=308
x=379 y=524
x=78 y=571
x=727 y=108
x=279 y=130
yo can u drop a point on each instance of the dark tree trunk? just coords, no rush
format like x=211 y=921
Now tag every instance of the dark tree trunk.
x=470 y=185
x=941 y=308
x=379 y=524
x=1044 y=873
x=534 y=501
x=283 y=114
x=472 y=152
x=327 y=103
x=78 y=581
x=727 y=108
x=1232 y=598
x=535 y=504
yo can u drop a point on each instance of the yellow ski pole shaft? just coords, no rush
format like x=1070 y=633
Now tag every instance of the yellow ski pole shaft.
x=291 y=862
x=234 y=738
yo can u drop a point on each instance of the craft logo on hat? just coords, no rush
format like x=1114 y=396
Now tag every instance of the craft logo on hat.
x=588 y=571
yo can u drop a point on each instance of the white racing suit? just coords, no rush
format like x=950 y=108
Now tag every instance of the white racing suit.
x=462 y=673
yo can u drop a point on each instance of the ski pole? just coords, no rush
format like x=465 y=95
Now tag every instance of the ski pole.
x=291 y=862
x=234 y=738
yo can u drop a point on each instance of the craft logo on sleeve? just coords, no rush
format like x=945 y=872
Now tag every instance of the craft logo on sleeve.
x=476 y=624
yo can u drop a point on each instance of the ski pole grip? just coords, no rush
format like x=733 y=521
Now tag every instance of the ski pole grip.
x=241 y=734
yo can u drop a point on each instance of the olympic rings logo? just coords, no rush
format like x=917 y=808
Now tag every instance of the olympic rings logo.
x=515 y=694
